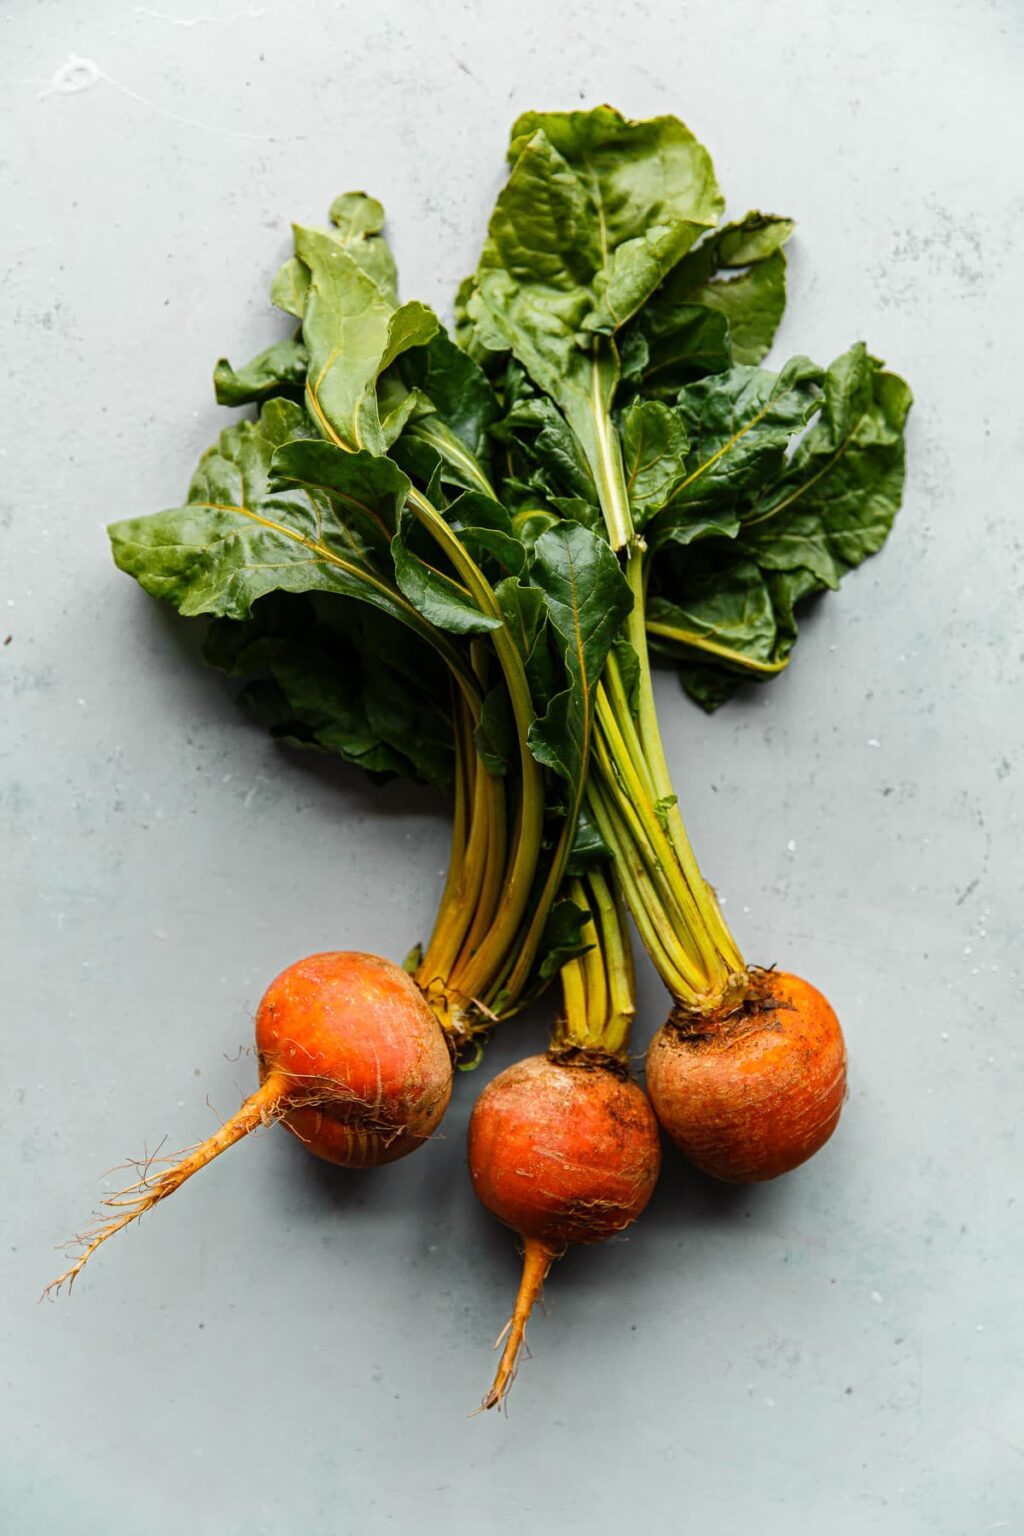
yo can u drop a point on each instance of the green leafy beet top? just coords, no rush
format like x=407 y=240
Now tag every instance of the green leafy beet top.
x=449 y=558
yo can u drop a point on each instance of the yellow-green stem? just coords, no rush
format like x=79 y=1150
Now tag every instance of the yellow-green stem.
x=673 y=965
x=598 y=986
x=490 y=956
x=466 y=868
x=651 y=840
x=654 y=752
x=618 y=961
x=703 y=930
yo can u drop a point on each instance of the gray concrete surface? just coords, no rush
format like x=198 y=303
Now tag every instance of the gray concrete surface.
x=286 y=1351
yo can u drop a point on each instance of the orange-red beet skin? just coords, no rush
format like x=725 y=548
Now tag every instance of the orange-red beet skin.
x=355 y=1030
x=563 y=1153
x=752 y=1095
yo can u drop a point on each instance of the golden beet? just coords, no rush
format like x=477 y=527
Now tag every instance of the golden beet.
x=754 y=1092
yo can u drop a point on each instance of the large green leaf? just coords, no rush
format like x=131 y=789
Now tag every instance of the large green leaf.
x=486 y=530
x=524 y=610
x=736 y=280
x=241 y=535
x=596 y=211
x=670 y=344
x=834 y=505
x=353 y=332
x=646 y=192
x=800 y=522
x=457 y=388
x=359 y=221
x=552 y=452
x=723 y=611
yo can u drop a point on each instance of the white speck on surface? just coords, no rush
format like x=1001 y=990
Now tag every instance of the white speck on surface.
x=74 y=75
x=876 y=1296
x=78 y=74
x=873 y=742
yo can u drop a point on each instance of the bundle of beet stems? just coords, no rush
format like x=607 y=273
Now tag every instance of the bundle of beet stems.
x=450 y=560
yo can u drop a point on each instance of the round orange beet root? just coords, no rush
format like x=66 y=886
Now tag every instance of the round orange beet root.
x=755 y=1093
x=352 y=1061
x=566 y=1154
x=359 y=1057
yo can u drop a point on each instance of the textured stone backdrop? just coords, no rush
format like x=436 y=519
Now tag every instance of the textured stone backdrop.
x=290 y=1351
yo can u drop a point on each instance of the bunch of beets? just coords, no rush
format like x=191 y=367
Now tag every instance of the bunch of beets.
x=450 y=556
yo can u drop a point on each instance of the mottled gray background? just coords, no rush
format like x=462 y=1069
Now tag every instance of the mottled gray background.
x=292 y=1351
